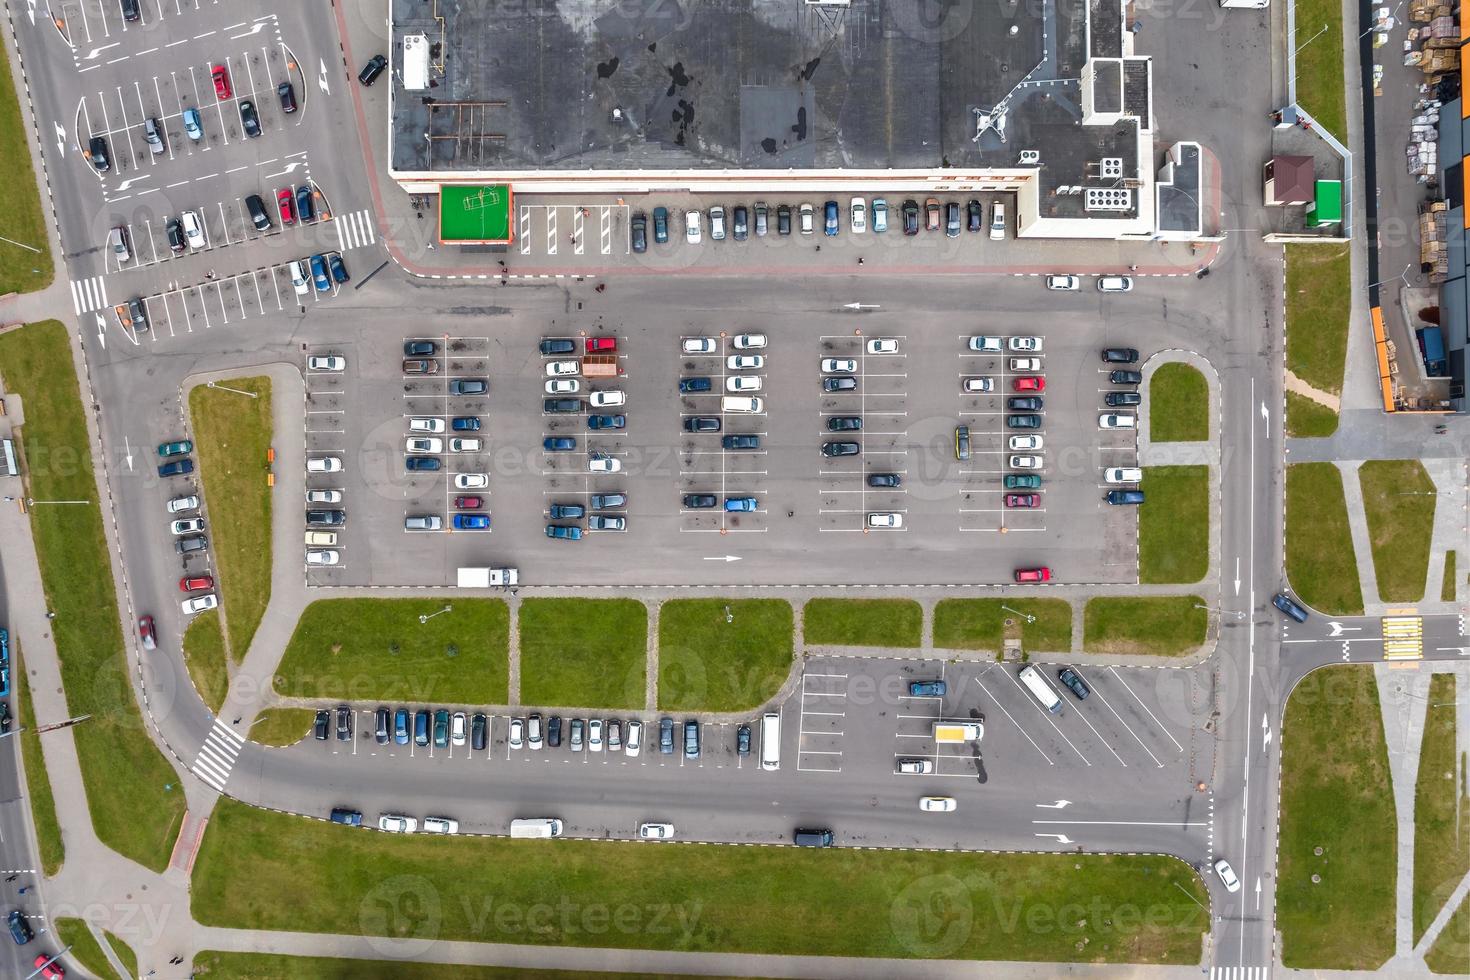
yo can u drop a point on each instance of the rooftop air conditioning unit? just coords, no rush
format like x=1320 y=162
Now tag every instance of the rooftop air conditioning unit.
x=1029 y=157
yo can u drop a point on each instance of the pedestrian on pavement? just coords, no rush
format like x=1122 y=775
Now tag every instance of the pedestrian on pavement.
x=601 y=286
x=431 y=246
x=23 y=889
x=860 y=260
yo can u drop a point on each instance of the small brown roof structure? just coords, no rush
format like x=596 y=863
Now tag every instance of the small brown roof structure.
x=1290 y=180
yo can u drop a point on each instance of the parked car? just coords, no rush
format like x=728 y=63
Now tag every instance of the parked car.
x=661 y=225
x=221 y=77
x=829 y=219
x=372 y=69
x=740 y=442
x=702 y=423
x=638 y=233
x=1074 y=683
x=471 y=522
x=884 y=480
x=564 y=532
x=1021 y=481
x=566 y=512
x=1023 y=421
x=1125 y=377
x=974 y=215
x=839 y=383
x=1119 y=355
x=1024 y=403
x=691 y=739
x=249 y=119
x=666 y=736
x=1122 y=399
x=700 y=501
x=305 y=209
x=910 y=217
x=739 y=504
x=1114 y=284
x=193 y=124
x=1069 y=283
x=1023 y=500
x=962 y=442
x=287 y=96
x=1124 y=496
x=833 y=450
x=1039 y=574
x=927 y=689
x=468 y=386
x=1029 y=383
x=1117 y=420
x=717 y=223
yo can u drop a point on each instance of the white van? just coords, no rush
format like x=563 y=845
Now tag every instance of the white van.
x=997 y=221
x=1040 y=689
x=771 y=740
x=741 y=405
x=536 y=827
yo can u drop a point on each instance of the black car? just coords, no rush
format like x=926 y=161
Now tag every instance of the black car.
x=419 y=348
x=844 y=383
x=1069 y=677
x=741 y=442
x=325 y=518
x=1025 y=403
x=661 y=225
x=1116 y=399
x=138 y=313
x=20 y=929
x=952 y=219
x=477 y=731
x=97 y=152
x=783 y=219
x=690 y=385
x=884 y=480
x=179 y=467
x=742 y=220
x=344 y=723
x=742 y=740
x=468 y=386
x=1124 y=497
x=420 y=464
x=760 y=219
x=975 y=214
x=666 y=736
x=563 y=512
x=700 y=501
x=175 y=233
x=553 y=731
x=287 y=96
x=1284 y=602
x=702 y=423
x=911 y=217
x=833 y=449
x=639 y=229
x=323 y=724
x=562 y=405
x=258 y=215
x=421 y=728
x=845 y=423
x=558 y=345
x=131 y=10
x=691 y=739
x=372 y=69
x=811 y=837
x=249 y=119
x=1126 y=377
x=381 y=732
x=1119 y=355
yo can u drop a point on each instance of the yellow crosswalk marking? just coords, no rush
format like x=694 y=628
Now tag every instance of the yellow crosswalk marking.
x=1403 y=638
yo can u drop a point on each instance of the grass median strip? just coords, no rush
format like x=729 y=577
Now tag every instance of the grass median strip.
x=204 y=655
x=984 y=624
x=1179 y=404
x=723 y=654
x=1447 y=584
x=84 y=948
x=1306 y=419
x=1159 y=626
x=1441 y=809
x=38 y=780
x=1336 y=797
x=378 y=650
x=1399 y=499
x=1317 y=294
x=23 y=219
x=1319 y=69
x=123 y=952
x=1174 y=525
x=584 y=653
x=863 y=622
x=1447 y=954
x=1320 y=562
x=126 y=777
x=232 y=435
x=218 y=965
x=262 y=870
x=282 y=726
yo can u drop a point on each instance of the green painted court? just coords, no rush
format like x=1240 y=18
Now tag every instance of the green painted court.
x=475 y=215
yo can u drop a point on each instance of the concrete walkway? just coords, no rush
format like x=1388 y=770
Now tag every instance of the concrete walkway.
x=1403 y=702
x=1297 y=386
x=1352 y=491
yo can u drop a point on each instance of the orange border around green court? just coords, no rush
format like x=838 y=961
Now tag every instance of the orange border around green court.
x=475 y=214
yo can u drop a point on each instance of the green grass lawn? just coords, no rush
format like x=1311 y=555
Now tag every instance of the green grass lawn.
x=1161 y=626
x=1450 y=951
x=232 y=434
x=38 y=780
x=584 y=653
x=1447 y=585
x=1305 y=419
x=282 y=726
x=863 y=622
x=84 y=948
x=262 y=870
x=1174 y=525
x=1319 y=71
x=1336 y=795
x=1399 y=499
x=125 y=774
x=377 y=650
x=218 y=965
x=1179 y=404
x=980 y=624
x=23 y=219
x=123 y=952
x=1317 y=294
x=204 y=655
x=708 y=664
x=1319 y=547
x=1441 y=815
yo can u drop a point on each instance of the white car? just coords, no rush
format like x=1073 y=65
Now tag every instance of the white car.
x=741 y=382
x=471 y=481
x=1122 y=474
x=607 y=399
x=193 y=229
x=533 y=732
x=1029 y=345
x=885 y=519
x=986 y=345
x=323 y=557
x=745 y=362
x=424 y=444
x=749 y=341
x=326 y=362
x=324 y=496
x=634 y=742
x=180 y=504
x=460 y=445
x=323 y=464
x=883 y=345
x=859 y=213
x=1117 y=421
x=200 y=603
x=1069 y=283
x=1114 y=284
x=594 y=735
x=563 y=386
x=321 y=539
x=560 y=369
x=440 y=825
x=692 y=233
x=603 y=463
x=1021 y=444
x=937 y=804
x=838 y=365
x=396 y=823
x=1227 y=876
x=189 y=525
x=700 y=345
x=1025 y=462
x=656 y=831
x=425 y=425
x=458 y=726
x=979 y=384
x=517 y=732
x=1026 y=365
x=914 y=767
x=299 y=282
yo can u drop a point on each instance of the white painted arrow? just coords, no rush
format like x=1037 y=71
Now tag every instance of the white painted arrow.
x=1338 y=629
x=97 y=52
x=1058 y=805
x=861 y=306
x=1265 y=727
x=254 y=30
x=60 y=137
x=129 y=182
x=1237 y=575
x=1061 y=838
x=31 y=11
x=101 y=337
x=721 y=557
x=1258 y=894
x=128 y=449
x=321 y=78
x=1266 y=417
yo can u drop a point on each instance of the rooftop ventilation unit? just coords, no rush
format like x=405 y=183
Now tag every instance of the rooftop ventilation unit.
x=1108 y=199
x=1110 y=167
x=1030 y=157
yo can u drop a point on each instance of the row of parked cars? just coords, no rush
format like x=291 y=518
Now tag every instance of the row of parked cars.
x=571 y=366
x=839 y=378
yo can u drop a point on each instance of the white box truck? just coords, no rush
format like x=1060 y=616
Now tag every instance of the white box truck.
x=536 y=827
x=484 y=578
x=952 y=732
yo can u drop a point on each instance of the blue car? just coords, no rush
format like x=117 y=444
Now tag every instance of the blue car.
x=690 y=385
x=567 y=512
x=558 y=444
x=927 y=689
x=304 y=210
x=1283 y=602
x=607 y=421
x=471 y=522
x=829 y=224
x=339 y=271
x=179 y=467
x=319 y=274
x=466 y=423
x=741 y=503
x=421 y=728
x=566 y=532
x=420 y=463
x=400 y=726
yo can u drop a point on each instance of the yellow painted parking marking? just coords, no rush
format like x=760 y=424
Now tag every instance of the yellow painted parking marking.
x=1403 y=638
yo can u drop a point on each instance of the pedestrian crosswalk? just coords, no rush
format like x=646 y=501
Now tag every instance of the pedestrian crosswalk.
x=1240 y=972
x=1403 y=638
x=355 y=229
x=88 y=294
x=217 y=755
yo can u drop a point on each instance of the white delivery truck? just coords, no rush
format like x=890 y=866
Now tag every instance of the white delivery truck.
x=485 y=578
x=951 y=732
x=1248 y=4
x=536 y=827
x=1040 y=689
x=771 y=740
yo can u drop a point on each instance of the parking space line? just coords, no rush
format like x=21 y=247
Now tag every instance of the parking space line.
x=1046 y=715
x=1145 y=707
x=996 y=701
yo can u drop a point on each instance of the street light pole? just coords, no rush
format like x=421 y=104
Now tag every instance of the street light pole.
x=428 y=616
x=1027 y=617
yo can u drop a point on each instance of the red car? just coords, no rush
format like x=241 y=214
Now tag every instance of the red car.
x=196 y=583
x=1029 y=383
x=1042 y=574
x=221 y=76
x=468 y=503
x=145 y=632
x=1023 y=500
x=597 y=345
x=51 y=972
x=283 y=201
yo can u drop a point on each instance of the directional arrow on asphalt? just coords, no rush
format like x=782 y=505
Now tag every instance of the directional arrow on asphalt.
x=1058 y=805
x=101 y=337
x=97 y=52
x=60 y=137
x=254 y=30
x=321 y=78
x=1266 y=417
x=128 y=449
x=1237 y=575
x=1338 y=629
x=31 y=11
x=1258 y=894
x=861 y=306
x=1265 y=727
x=721 y=557
x=1061 y=838
x=129 y=182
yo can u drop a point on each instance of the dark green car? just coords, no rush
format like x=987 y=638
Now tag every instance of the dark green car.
x=181 y=448
x=441 y=728
x=1022 y=481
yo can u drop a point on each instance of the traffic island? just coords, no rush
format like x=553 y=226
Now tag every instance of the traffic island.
x=1179 y=404
x=1174 y=524
x=1321 y=564
x=204 y=655
x=1399 y=500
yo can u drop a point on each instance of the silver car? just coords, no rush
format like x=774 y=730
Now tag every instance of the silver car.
x=517 y=733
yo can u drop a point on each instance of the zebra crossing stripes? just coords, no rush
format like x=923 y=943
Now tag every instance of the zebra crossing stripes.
x=88 y=294
x=355 y=229
x=1240 y=972
x=217 y=755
